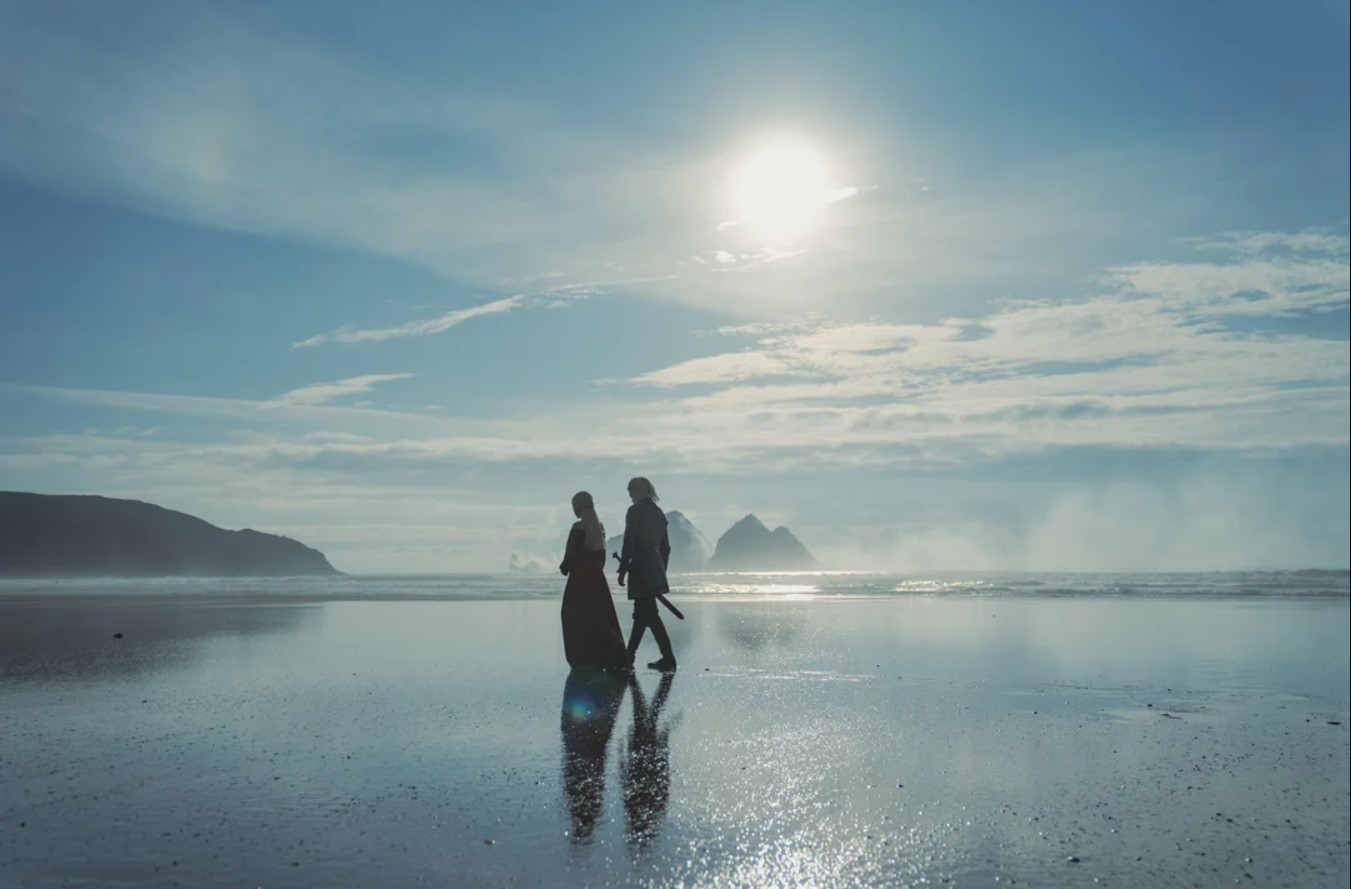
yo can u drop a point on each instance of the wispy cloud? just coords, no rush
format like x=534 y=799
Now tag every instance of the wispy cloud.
x=1148 y=364
x=425 y=327
x=1134 y=368
x=320 y=393
x=723 y=261
x=727 y=368
x=319 y=416
x=1263 y=274
x=1251 y=242
x=557 y=297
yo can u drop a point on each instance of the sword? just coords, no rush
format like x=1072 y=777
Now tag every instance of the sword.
x=660 y=598
x=667 y=602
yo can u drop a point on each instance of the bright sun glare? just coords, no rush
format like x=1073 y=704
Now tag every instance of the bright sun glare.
x=779 y=189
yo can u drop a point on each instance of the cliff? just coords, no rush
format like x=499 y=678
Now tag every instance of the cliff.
x=86 y=536
x=750 y=546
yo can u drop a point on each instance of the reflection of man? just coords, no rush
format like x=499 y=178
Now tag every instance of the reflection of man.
x=646 y=766
x=591 y=700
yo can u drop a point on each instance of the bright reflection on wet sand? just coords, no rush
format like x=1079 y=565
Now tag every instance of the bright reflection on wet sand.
x=841 y=742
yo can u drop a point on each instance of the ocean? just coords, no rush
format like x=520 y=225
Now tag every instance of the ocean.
x=756 y=587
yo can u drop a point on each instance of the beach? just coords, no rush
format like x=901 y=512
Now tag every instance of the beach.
x=907 y=739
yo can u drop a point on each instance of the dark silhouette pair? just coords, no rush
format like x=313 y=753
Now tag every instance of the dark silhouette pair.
x=591 y=702
x=591 y=633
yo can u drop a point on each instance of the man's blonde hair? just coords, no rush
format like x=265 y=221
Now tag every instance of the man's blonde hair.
x=641 y=488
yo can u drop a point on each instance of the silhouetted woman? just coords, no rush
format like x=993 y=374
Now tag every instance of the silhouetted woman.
x=647 y=550
x=591 y=633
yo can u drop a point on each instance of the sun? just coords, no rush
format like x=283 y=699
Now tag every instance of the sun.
x=779 y=188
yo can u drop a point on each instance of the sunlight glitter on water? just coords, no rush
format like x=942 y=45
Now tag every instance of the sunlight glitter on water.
x=787 y=591
x=812 y=573
x=937 y=586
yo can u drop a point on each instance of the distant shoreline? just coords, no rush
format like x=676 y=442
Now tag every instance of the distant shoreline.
x=770 y=589
x=805 y=572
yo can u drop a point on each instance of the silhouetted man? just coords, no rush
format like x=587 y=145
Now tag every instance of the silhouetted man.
x=646 y=553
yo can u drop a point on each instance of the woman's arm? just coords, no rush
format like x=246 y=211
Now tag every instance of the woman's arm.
x=569 y=552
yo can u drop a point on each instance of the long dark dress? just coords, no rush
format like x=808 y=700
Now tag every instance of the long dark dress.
x=591 y=634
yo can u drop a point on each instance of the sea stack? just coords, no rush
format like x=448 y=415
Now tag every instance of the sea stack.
x=750 y=546
x=690 y=549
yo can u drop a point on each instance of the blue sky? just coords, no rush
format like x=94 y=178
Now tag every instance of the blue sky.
x=1072 y=291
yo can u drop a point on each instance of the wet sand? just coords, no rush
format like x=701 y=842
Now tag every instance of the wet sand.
x=838 y=743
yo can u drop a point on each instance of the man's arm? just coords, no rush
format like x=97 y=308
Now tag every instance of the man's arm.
x=630 y=543
x=665 y=549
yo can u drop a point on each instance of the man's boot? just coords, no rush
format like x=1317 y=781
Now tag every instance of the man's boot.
x=667 y=664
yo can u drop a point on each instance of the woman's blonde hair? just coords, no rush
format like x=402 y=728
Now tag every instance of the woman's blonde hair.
x=585 y=507
x=641 y=488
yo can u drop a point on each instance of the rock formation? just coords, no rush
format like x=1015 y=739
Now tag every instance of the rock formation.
x=750 y=546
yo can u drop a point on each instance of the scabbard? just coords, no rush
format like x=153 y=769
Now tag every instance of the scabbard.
x=660 y=598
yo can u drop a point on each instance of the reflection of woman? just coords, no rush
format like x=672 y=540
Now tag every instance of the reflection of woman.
x=591 y=634
x=591 y=702
x=646 y=766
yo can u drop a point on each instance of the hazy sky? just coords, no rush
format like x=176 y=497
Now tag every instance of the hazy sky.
x=966 y=285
